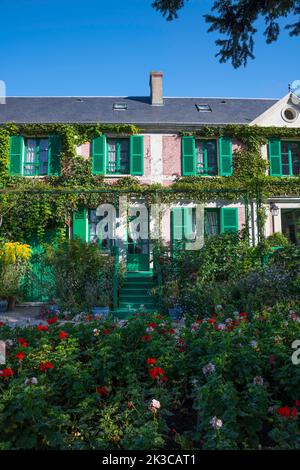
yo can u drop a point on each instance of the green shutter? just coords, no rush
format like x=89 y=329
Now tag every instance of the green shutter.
x=16 y=155
x=188 y=223
x=225 y=152
x=177 y=228
x=80 y=224
x=188 y=156
x=98 y=155
x=136 y=155
x=229 y=219
x=54 y=155
x=275 y=157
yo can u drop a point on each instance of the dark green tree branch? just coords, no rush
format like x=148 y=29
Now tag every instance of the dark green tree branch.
x=235 y=19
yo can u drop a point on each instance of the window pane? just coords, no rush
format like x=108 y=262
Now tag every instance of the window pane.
x=284 y=147
x=29 y=164
x=295 y=158
x=285 y=169
x=112 y=156
x=211 y=157
x=124 y=156
x=43 y=157
x=211 y=222
x=206 y=157
x=200 y=157
x=104 y=243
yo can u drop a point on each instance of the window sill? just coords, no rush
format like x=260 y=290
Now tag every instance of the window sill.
x=117 y=175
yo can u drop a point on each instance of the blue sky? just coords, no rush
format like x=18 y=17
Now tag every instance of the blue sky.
x=108 y=47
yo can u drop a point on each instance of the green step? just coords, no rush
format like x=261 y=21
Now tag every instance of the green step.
x=136 y=305
x=139 y=274
x=127 y=299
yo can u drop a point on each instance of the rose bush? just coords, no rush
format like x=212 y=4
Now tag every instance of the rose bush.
x=222 y=382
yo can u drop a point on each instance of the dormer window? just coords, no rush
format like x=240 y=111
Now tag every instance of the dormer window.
x=202 y=108
x=119 y=106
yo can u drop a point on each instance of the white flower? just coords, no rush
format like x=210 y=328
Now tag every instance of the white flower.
x=154 y=405
x=216 y=423
x=236 y=314
x=195 y=327
x=218 y=308
x=149 y=329
x=229 y=320
x=31 y=381
x=253 y=344
x=258 y=380
x=221 y=326
x=209 y=369
x=96 y=332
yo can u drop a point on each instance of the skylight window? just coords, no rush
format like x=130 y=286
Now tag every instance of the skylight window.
x=202 y=108
x=120 y=106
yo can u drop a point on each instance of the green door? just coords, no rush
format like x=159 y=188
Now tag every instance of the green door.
x=138 y=256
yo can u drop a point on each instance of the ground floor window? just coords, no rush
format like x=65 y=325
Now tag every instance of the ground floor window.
x=290 y=221
x=105 y=243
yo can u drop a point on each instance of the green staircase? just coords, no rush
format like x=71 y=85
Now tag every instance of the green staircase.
x=135 y=293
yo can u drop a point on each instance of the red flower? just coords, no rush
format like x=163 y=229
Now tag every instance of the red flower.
x=52 y=320
x=212 y=320
x=155 y=372
x=20 y=356
x=286 y=412
x=294 y=412
x=1 y=323
x=42 y=328
x=171 y=331
x=63 y=335
x=146 y=338
x=45 y=366
x=102 y=391
x=151 y=360
x=23 y=342
x=106 y=331
x=152 y=325
x=8 y=372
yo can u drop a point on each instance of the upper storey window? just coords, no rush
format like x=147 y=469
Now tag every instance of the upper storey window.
x=118 y=155
x=284 y=157
x=34 y=156
x=206 y=157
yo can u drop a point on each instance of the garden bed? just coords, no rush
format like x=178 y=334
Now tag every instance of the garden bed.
x=226 y=381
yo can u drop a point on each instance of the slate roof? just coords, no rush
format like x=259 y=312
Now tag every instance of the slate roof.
x=177 y=111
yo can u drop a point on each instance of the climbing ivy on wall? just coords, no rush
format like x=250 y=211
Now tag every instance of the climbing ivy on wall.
x=33 y=205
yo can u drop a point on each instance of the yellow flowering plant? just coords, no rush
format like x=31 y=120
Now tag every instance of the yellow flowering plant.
x=14 y=260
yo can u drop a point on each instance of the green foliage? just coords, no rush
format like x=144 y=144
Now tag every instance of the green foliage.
x=33 y=206
x=250 y=376
x=277 y=239
x=228 y=270
x=82 y=275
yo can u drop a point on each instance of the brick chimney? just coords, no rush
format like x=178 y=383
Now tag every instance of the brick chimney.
x=156 y=89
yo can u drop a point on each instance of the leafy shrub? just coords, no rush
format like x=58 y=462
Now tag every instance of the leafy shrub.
x=14 y=258
x=82 y=275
